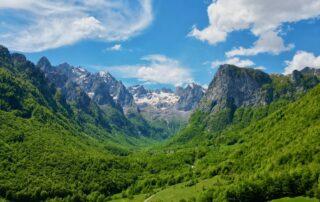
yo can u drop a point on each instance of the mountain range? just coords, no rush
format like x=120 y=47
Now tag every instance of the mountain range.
x=144 y=106
x=67 y=134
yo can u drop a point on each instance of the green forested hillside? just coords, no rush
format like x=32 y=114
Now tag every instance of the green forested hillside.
x=50 y=148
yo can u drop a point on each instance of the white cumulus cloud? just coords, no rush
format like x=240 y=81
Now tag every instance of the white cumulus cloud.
x=301 y=60
x=37 y=25
x=158 y=69
x=263 y=18
x=268 y=42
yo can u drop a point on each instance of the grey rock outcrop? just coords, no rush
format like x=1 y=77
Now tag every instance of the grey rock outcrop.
x=189 y=97
x=235 y=87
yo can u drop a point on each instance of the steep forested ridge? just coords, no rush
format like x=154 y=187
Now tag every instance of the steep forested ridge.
x=54 y=148
x=254 y=137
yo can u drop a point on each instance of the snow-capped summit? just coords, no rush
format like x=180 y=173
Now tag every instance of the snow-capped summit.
x=104 y=73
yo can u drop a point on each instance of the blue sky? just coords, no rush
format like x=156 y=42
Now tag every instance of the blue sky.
x=162 y=42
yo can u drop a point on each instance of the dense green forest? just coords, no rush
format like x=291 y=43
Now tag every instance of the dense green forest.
x=54 y=150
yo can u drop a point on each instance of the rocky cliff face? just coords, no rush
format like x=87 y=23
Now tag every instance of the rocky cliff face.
x=189 y=97
x=236 y=87
x=101 y=87
x=311 y=71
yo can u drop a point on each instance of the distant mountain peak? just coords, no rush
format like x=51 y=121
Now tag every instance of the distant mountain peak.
x=44 y=64
x=44 y=61
x=190 y=96
x=104 y=74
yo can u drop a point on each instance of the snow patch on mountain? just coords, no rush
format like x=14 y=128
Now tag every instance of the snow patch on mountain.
x=158 y=99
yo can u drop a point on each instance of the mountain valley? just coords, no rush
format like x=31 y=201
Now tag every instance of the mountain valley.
x=67 y=134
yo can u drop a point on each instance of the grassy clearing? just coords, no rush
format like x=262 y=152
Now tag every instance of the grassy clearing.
x=175 y=193
x=297 y=199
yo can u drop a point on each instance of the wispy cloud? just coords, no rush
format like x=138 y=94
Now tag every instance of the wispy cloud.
x=157 y=69
x=263 y=18
x=116 y=47
x=43 y=24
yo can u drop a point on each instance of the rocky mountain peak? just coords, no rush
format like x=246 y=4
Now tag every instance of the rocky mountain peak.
x=190 y=96
x=115 y=88
x=310 y=71
x=5 y=57
x=235 y=87
x=138 y=91
x=104 y=74
x=18 y=58
x=44 y=64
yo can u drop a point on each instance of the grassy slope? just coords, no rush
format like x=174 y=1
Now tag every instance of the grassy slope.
x=297 y=199
x=182 y=192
